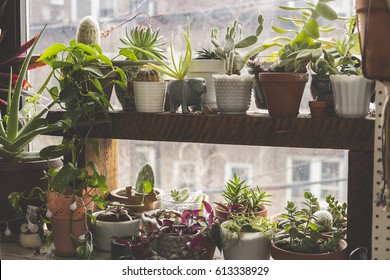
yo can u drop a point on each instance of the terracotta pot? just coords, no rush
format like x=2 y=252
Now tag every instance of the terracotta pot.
x=280 y=254
x=321 y=90
x=223 y=215
x=68 y=225
x=208 y=249
x=317 y=108
x=373 y=25
x=283 y=92
x=17 y=176
x=128 y=197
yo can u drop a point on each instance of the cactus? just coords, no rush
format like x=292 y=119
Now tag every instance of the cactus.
x=88 y=31
x=234 y=59
x=147 y=75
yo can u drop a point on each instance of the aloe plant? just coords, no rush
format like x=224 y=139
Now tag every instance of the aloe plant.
x=17 y=130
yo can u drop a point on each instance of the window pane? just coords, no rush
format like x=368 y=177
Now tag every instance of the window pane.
x=286 y=173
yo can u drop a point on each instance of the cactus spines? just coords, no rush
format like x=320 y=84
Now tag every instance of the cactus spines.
x=88 y=31
x=234 y=40
x=147 y=75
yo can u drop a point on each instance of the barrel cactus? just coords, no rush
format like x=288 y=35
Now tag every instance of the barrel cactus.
x=88 y=31
x=147 y=75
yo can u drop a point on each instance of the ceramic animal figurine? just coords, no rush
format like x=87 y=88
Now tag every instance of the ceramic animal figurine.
x=187 y=93
x=30 y=233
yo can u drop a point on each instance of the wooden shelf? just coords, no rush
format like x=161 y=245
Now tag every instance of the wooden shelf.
x=354 y=135
x=250 y=129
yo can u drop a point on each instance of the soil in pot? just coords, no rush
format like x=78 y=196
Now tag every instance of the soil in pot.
x=111 y=223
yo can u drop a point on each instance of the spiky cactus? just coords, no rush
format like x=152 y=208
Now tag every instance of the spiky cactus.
x=234 y=59
x=147 y=75
x=88 y=31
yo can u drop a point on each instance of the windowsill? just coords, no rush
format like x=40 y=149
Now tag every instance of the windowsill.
x=13 y=251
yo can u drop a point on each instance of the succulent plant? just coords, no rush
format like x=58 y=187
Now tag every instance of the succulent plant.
x=145 y=179
x=145 y=38
x=302 y=229
x=229 y=51
x=206 y=54
x=88 y=31
x=147 y=75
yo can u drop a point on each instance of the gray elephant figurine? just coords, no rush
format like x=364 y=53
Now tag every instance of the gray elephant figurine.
x=186 y=93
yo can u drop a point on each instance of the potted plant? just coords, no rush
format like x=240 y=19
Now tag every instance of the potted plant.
x=284 y=84
x=204 y=65
x=23 y=119
x=143 y=197
x=352 y=91
x=185 y=92
x=113 y=221
x=183 y=199
x=149 y=91
x=143 y=37
x=308 y=233
x=194 y=235
x=233 y=90
x=73 y=190
x=246 y=237
x=241 y=198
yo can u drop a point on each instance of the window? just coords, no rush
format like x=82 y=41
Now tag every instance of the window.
x=285 y=173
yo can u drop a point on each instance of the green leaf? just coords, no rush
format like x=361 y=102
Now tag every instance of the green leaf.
x=147 y=186
x=67 y=175
x=326 y=11
x=312 y=28
x=54 y=49
x=129 y=54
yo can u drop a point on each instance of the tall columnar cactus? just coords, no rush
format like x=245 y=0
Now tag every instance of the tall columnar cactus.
x=88 y=31
x=234 y=59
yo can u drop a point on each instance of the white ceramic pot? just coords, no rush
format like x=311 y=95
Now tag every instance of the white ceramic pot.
x=103 y=231
x=352 y=95
x=149 y=96
x=205 y=68
x=247 y=246
x=233 y=93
